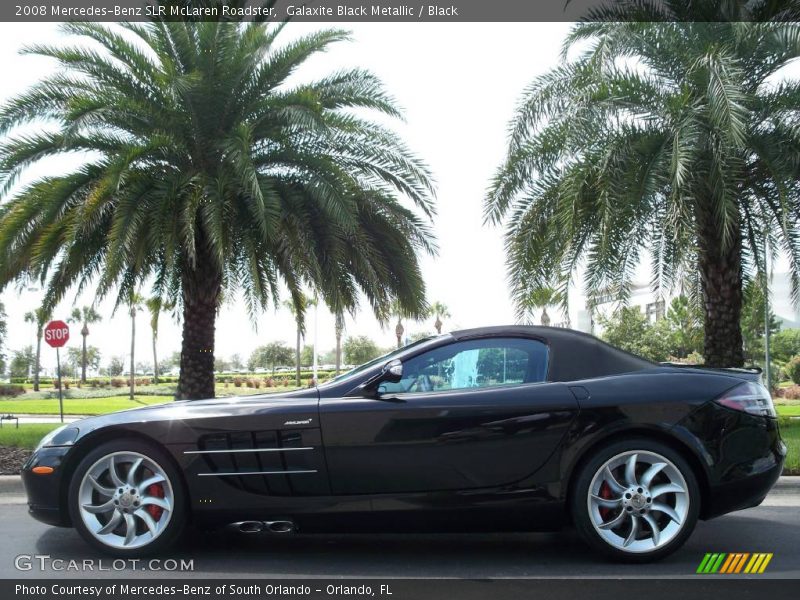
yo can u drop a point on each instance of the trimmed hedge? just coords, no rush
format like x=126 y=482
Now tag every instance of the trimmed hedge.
x=122 y=380
x=11 y=391
x=42 y=380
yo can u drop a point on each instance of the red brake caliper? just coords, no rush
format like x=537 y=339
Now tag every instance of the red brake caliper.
x=605 y=492
x=155 y=489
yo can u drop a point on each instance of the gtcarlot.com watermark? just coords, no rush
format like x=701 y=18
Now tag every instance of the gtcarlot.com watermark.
x=44 y=562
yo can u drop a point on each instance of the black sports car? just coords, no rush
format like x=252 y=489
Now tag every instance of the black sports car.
x=493 y=429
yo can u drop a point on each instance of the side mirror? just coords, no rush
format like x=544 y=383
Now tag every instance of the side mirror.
x=393 y=371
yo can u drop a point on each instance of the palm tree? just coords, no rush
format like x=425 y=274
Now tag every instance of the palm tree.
x=399 y=312
x=206 y=167
x=540 y=298
x=298 y=306
x=135 y=302
x=39 y=318
x=440 y=311
x=85 y=316
x=667 y=138
x=155 y=306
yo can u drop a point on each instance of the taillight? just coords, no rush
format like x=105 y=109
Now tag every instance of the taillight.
x=749 y=397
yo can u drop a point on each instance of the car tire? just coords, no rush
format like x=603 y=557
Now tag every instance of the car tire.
x=635 y=500
x=147 y=507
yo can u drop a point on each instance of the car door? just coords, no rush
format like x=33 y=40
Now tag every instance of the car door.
x=472 y=414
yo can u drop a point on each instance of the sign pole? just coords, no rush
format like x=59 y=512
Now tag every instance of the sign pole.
x=60 y=387
x=56 y=334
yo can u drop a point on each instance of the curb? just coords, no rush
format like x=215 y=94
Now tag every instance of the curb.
x=11 y=484
x=51 y=415
x=787 y=484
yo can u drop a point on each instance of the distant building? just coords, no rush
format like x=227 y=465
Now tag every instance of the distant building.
x=781 y=297
x=603 y=305
x=588 y=312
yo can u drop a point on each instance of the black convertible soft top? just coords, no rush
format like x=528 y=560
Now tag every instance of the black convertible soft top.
x=574 y=355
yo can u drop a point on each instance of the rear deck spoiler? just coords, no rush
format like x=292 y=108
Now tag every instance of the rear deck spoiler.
x=752 y=373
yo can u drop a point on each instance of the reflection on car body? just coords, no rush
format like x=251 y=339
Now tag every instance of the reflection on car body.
x=494 y=429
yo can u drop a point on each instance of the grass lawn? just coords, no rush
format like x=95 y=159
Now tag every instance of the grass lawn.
x=27 y=436
x=78 y=406
x=790 y=432
x=100 y=402
x=788 y=410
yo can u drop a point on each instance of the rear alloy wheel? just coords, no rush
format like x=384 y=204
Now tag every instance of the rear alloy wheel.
x=125 y=498
x=636 y=500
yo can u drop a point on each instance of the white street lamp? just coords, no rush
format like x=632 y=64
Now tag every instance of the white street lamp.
x=316 y=330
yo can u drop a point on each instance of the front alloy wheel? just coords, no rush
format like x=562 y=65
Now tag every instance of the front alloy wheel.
x=636 y=501
x=126 y=499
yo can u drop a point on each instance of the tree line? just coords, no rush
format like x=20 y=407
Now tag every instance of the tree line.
x=25 y=362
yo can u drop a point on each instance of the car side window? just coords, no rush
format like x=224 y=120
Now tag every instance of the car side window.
x=486 y=362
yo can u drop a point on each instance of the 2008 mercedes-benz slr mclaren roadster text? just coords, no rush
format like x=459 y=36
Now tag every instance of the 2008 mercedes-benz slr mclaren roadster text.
x=493 y=429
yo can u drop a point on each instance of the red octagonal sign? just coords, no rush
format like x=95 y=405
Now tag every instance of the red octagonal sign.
x=56 y=333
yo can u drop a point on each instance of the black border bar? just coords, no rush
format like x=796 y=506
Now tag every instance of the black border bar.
x=333 y=11
x=396 y=589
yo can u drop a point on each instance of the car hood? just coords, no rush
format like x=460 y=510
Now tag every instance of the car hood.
x=185 y=417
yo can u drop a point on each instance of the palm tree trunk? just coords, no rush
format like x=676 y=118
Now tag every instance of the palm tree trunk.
x=155 y=359
x=720 y=268
x=545 y=320
x=297 y=356
x=133 y=345
x=36 y=367
x=201 y=289
x=398 y=331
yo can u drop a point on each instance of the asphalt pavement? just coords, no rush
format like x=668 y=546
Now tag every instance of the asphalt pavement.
x=773 y=527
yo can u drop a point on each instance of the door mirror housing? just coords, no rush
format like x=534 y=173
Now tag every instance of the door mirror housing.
x=393 y=371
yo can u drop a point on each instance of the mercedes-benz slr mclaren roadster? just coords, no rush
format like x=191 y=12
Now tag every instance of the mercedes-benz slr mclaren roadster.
x=493 y=429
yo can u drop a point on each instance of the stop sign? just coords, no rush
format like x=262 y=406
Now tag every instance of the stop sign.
x=56 y=333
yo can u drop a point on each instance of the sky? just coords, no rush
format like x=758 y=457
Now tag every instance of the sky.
x=458 y=83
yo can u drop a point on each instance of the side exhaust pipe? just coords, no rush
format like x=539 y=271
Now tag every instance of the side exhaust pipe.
x=249 y=526
x=281 y=526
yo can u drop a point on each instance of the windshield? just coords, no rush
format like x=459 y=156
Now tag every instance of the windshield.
x=380 y=360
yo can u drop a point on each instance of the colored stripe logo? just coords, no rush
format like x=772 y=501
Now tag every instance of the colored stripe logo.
x=732 y=563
